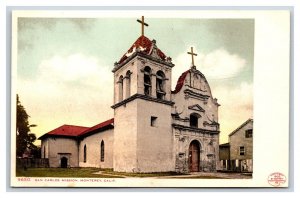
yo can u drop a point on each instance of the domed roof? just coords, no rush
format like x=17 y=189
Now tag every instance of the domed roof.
x=143 y=45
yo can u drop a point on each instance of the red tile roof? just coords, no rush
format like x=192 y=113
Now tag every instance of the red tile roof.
x=66 y=130
x=144 y=43
x=98 y=126
x=180 y=82
x=76 y=131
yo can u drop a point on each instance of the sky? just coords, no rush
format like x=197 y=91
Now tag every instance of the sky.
x=64 y=65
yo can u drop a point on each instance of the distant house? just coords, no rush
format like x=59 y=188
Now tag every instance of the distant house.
x=224 y=155
x=237 y=155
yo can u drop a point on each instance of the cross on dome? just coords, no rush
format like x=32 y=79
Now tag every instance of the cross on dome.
x=143 y=24
x=192 y=54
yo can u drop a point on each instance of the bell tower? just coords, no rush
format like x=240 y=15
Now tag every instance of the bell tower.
x=143 y=140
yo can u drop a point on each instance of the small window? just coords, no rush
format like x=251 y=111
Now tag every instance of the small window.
x=153 y=121
x=102 y=151
x=128 y=83
x=120 y=88
x=194 y=120
x=44 y=152
x=242 y=150
x=84 y=153
x=249 y=133
x=160 y=90
x=147 y=81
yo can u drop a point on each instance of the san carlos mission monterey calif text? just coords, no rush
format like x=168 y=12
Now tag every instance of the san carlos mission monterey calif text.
x=154 y=128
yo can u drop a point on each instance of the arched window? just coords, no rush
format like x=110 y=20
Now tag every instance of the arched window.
x=194 y=120
x=84 y=153
x=128 y=82
x=120 y=88
x=160 y=87
x=102 y=151
x=44 y=152
x=147 y=81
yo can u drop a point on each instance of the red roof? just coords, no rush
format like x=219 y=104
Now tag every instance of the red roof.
x=75 y=131
x=66 y=130
x=180 y=82
x=98 y=126
x=146 y=47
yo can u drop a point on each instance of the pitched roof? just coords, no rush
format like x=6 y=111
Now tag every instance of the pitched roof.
x=78 y=131
x=180 y=82
x=65 y=130
x=101 y=126
x=224 y=145
x=245 y=123
x=144 y=45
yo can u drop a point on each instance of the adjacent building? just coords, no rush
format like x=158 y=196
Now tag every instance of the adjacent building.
x=237 y=155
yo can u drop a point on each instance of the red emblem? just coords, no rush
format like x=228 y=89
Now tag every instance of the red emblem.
x=276 y=179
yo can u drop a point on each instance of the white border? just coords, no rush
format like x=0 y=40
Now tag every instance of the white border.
x=271 y=95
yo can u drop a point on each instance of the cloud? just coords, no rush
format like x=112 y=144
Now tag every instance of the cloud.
x=221 y=64
x=74 y=89
x=218 y=64
x=236 y=106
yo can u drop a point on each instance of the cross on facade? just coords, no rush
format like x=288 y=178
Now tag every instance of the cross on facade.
x=192 y=54
x=143 y=24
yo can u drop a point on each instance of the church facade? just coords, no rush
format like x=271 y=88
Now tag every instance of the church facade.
x=154 y=129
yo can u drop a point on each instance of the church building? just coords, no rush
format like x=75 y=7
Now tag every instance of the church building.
x=154 y=129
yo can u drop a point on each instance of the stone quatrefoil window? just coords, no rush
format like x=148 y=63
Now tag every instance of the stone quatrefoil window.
x=147 y=81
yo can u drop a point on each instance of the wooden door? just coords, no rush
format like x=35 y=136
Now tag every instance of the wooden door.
x=194 y=156
x=64 y=162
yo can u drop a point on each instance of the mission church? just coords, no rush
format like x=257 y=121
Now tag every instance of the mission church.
x=154 y=129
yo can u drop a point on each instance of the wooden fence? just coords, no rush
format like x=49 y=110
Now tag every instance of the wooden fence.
x=32 y=163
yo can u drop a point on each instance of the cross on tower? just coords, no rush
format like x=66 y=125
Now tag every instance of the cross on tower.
x=143 y=24
x=192 y=54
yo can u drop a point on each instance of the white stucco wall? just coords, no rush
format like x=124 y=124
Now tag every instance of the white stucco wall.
x=93 y=145
x=125 y=137
x=154 y=143
x=44 y=148
x=182 y=103
x=138 y=147
x=59 y=147
x=209 y=154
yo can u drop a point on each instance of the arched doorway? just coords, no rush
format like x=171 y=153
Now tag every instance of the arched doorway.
x=64 y=162
x=194 y=156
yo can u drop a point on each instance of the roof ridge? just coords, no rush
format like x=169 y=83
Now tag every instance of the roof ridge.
x=239 y=127
x=74 y=125
x=97 y=126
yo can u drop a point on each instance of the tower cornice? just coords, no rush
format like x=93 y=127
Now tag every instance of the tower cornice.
x=144 y=97
x=117 y=66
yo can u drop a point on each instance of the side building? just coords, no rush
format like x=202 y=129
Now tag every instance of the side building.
x=68 y=146
x=237 y=155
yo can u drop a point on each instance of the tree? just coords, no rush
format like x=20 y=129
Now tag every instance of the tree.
x=24 y=138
